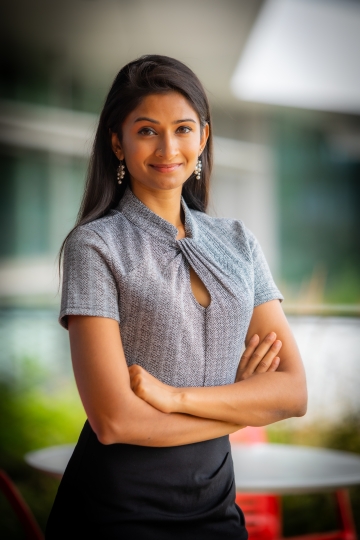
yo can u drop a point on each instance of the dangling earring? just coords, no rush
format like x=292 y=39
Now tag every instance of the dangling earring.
x=120 y=172
x=197 y=170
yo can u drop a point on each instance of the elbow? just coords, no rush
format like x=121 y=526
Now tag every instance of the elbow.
x=111 y=427
x=108 y=432
x=122 y=432
x=296 y=406
x=105 y=437
x=296 y=397
x=302 y=399
x=298 y=411
x=299 y=407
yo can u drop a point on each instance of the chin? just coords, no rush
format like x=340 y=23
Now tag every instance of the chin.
x=165 y=184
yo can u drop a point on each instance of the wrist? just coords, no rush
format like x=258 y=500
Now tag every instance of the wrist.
x=179 y=400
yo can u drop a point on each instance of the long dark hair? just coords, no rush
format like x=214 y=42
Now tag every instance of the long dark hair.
x=149 y=74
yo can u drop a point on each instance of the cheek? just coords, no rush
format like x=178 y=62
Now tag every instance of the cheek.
x=135 y=155
x=140 y=148
x=191 y=147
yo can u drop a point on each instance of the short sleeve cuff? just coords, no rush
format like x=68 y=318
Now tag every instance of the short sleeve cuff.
x=63 y=318
x=267 y=295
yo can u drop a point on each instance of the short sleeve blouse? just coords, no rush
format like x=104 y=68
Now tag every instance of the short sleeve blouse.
x=128 y=266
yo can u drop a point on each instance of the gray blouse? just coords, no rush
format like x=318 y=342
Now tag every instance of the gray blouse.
x=128 y=266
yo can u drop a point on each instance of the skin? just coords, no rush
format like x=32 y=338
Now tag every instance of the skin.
x=161 y=142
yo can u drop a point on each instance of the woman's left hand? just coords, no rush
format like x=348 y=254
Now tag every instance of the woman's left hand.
x=259 y=357
x=145 y=386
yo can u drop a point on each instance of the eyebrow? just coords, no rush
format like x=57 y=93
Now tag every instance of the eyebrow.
x=147 y=119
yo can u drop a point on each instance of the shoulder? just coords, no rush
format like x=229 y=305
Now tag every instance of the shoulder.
x=227 y=230
x=100 y=231
x=92 y=243
x=104 y=235
x=111 y=239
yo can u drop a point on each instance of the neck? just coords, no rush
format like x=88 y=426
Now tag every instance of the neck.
x=164 y=203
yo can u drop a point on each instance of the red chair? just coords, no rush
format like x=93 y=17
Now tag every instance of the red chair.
x=346 y=522
x=262 y=512
x=21 y=509
x=249 y=435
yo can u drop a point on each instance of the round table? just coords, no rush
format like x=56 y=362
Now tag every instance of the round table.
x=51 y=460
x=259 y=468
x=282 y=468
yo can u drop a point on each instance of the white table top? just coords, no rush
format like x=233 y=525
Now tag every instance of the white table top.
x=52 y=460
x=281 y=468
x=259 y=468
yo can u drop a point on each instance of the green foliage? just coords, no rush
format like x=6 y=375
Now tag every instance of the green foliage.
x=345 y=289
x=34 y=414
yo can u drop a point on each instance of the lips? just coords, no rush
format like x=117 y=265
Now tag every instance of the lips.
x=166 y=168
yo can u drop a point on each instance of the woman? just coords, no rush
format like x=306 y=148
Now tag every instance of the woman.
x=186 y=290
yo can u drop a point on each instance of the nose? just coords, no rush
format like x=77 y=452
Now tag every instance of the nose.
x=167 y=147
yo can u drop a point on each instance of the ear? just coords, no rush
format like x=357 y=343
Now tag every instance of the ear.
x=116 y=146
x=204 y=137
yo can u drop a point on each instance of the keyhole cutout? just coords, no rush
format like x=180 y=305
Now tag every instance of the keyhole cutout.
x=199 y=290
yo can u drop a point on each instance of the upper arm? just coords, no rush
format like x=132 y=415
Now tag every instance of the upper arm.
x=268 y=315
x=100 y=371
x=90 y=310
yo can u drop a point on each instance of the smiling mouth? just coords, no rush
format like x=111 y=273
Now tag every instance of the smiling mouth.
x=166 y=168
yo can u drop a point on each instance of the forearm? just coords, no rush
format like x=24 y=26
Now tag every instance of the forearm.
x=115 y=413
x=260 y=400
x=144 y=425
x=263 y=392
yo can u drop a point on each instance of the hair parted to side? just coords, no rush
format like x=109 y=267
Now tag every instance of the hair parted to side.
x=149 y=74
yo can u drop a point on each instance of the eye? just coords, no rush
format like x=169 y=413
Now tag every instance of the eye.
x=184 y=129
x=147 y=131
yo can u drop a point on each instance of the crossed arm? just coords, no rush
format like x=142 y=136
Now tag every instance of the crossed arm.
x=130 y=406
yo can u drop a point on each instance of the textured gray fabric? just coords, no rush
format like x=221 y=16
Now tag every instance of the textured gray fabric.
x=128 y=266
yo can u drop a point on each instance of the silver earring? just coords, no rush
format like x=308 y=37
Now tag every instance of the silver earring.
x=120 y=172
x=197 y=170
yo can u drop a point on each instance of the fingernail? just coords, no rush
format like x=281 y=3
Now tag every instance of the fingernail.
x=272 y=335
x=254 y=338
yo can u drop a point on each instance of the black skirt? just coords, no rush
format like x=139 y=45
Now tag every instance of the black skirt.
x=124 y=491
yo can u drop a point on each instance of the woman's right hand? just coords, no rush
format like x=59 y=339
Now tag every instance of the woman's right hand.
x=259 y=357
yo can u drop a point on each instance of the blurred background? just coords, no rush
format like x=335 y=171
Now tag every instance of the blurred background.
x=283 y=79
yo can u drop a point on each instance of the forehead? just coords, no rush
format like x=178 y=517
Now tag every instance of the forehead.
x=164 y=107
